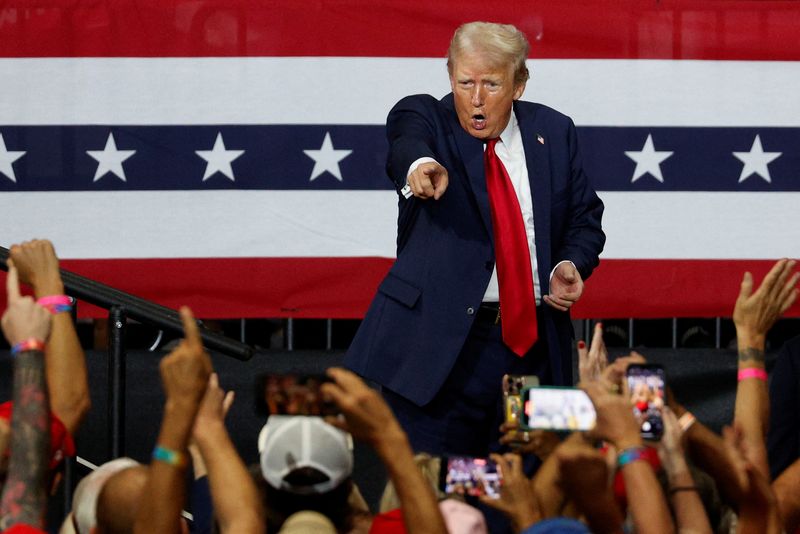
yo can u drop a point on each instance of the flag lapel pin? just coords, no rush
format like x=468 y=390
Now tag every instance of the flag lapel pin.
x=540 y=139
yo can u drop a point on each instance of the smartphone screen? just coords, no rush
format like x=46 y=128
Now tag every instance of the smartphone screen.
x=558 y=409
x=462 y=475
x=646 y=385
x=512 y=394
x=292 y=394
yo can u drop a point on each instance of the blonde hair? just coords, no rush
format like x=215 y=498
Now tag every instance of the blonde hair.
x=429 y=466
x=503 y=44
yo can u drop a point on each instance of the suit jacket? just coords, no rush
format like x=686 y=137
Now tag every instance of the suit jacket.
x=423 y=311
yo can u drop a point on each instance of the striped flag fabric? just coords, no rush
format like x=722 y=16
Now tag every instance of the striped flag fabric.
x=230 y=156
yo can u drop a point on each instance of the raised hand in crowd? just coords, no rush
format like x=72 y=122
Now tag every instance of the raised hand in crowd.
x=592 y=359
x=613 y=376
x=616 y=424
x=26 y=326
x=690 y=515
x=517 y=498
x=584 y=476
x=184 y=374
x=368 y=418
x=754 y=314
x=65 y=367
x=233 y=491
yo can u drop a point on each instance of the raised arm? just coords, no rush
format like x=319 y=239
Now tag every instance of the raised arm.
x=683 y=493
x=753 y=315
x=184 y=374
x=236 y=501
x=617 y=425
x=65 y=360
x=26 y=327
x=368 y=418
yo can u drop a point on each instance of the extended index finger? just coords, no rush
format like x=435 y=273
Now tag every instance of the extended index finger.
x=12 y=283
x=191 y=332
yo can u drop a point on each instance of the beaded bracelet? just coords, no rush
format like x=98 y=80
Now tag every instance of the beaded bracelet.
x=169 y=456
x=629 y=455
x=752 y=372
x=28 y=344
x=56 y=303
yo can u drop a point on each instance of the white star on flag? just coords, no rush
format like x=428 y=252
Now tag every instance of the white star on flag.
x=756 y=161
x=110 y=159
x=219 y=159
x=7 y=157
x=648 y=160
x=327 y=159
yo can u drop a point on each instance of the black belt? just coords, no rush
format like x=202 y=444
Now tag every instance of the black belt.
x=488 y=313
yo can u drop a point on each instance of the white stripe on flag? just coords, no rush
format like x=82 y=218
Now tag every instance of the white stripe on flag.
x=352 y=90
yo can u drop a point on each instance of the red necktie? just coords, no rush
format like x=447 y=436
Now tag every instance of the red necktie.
x=513 y=258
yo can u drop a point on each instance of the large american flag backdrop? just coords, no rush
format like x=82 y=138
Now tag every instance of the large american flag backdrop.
x=229 y=155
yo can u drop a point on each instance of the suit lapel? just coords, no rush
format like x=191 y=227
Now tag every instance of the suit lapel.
x=537 y=158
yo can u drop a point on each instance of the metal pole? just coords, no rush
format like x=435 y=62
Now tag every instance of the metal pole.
x=328 y=334
x=290 y=334
x=116 y=381
x=630 y=333
x=674 y=332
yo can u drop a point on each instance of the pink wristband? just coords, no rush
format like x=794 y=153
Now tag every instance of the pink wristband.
x=752 y=372
x=55 y=303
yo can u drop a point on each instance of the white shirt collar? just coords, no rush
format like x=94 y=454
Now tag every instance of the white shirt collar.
x=510 y=133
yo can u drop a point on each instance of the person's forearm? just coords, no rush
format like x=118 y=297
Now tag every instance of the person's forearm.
x=235 y=496
x=752 y=398
x=707 y=450
x=24 y=497
x=165 y=493
x=66 y=363
x=685 y=498
x=645 y=499
x=548 y=492
x=417 y=500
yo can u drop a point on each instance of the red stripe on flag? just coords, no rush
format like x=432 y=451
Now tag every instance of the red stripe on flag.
x=614 y=29
x=343 y=287
x=668 y=288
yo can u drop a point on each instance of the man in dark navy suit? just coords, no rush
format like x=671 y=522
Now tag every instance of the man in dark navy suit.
x=478 y=172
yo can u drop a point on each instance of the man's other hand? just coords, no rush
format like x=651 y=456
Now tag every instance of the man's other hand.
x=428 y=180
x=566 y=287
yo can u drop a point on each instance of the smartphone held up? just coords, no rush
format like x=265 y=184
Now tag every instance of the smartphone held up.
x=470 y=477
x=646 y=383
x=559 y=409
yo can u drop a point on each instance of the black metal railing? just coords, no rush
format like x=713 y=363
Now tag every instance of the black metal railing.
x=122 y=306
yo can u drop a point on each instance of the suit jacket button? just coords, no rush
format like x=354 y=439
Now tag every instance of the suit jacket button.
x=470 y=311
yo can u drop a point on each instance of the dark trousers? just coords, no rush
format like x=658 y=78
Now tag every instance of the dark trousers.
x=465 y=416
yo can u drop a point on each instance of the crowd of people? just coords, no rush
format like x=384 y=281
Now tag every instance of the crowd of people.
x=605 y=480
